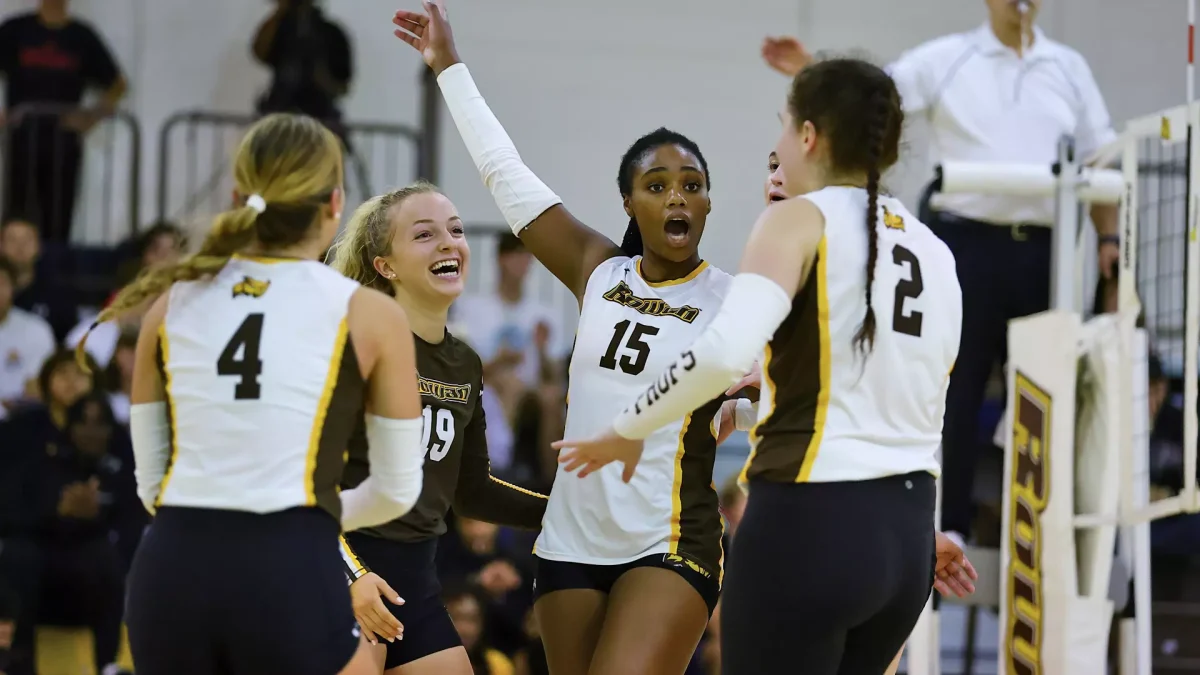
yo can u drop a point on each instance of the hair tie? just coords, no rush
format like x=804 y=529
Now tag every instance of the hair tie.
x=256 y=202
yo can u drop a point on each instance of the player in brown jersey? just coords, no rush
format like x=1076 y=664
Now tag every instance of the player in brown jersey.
x=411 y=244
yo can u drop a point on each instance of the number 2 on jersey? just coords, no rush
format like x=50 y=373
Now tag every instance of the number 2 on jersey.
x=437 y=422
x=246 y=339
x=909 y=324
x=636 y=344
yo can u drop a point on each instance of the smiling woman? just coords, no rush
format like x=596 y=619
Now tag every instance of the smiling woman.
x=411 y=244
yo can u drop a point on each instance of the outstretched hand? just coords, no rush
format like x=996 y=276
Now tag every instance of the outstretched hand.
x=598 y=452
x=428 y=32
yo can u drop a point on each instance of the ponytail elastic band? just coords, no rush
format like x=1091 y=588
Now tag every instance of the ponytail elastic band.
x=257 y=203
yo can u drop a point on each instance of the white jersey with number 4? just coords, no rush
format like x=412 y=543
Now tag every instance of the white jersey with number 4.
x=630 y=330
x=262 y=386
x=826 y=412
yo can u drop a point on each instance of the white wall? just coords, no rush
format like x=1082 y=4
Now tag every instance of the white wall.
x=575 y=81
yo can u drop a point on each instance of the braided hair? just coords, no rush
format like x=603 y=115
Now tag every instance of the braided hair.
x=631 y=243
x=856 y=106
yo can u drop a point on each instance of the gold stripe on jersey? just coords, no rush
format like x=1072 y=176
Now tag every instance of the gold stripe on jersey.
x=672 y=282
x=623 y=295
x=814 y=444
x=696 y=526
x=359 y=567
x=164 y=355
x=796 y=386
x=766 y=394
x=314 y=437
x=518 y=488
x=451 y=393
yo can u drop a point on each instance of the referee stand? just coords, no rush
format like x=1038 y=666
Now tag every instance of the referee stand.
x=1054 y=603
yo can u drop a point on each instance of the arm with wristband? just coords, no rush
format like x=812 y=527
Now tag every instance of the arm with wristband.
x=781 y=253
x=567 y=247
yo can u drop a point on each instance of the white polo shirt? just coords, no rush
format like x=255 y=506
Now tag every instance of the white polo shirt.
x=986 y=103
x=26 y=341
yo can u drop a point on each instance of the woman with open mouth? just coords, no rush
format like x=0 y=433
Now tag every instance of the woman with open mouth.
x=627 y=574
x=411 y=245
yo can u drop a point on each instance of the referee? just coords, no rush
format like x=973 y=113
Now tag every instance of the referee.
x=1002 y=92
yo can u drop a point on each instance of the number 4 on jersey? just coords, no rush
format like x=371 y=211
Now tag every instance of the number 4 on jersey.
x=248 y=366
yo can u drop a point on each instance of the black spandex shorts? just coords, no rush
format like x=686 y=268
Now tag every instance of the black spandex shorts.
x=554 y=575
x=827 y=578
x=213 y=591
x=410 y=570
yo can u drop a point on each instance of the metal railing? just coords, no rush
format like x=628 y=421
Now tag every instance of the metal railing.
x=195 y=180
x=78 y=188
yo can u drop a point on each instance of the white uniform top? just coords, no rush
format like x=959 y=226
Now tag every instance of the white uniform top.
x=985 y=103
x=629 y=331
x=261 y=388
x=825 y=414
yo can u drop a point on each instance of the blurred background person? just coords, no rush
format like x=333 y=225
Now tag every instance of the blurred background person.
x=311 y=62
x=25 y=342
x=49 y=58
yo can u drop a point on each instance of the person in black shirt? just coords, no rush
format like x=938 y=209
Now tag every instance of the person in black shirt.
x=50 y=59
x=410 y=244
x=310 y=59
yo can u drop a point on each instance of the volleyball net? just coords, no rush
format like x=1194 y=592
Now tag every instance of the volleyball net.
x=1078 y=416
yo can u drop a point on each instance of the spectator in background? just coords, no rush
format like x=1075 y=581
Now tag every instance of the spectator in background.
x=157 y=247
x=471 y=552
x=465 y=604
x=26 y=341
x=91 y=527
x=1002 y=244
x=310 y=60
x=48 y=58
x=37 y=290
x=29 y=433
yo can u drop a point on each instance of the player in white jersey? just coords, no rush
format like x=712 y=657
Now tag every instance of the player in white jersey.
x=844 y=451
x=627 y=574
x=253 y=365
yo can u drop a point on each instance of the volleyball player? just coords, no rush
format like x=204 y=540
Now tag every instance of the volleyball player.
x=627 y=575
x=411 y=245
x=252 y=366
x=844 y=458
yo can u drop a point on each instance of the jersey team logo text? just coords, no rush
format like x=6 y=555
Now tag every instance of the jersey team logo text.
x=623 y=295
x=678 y=560
x=250 y=287
x=892 y=221
x=1030 y=493
x=455 y=393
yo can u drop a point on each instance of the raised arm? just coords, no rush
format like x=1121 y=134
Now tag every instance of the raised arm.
x=567 y=247
x=384 y=347
x=780 y=255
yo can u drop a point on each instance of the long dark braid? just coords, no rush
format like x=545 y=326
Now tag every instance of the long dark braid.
x=864 y=339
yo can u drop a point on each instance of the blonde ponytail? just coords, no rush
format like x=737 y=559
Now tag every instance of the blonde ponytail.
x=291 y=162
x=368 y=235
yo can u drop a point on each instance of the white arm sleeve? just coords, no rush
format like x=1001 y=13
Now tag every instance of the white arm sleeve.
x=745 y=415
x=749 y=315
x=150 y=430
x=520 y=195
x=396 y=457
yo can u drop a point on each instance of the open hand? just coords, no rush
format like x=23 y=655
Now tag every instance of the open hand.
x=786 y=55
x=429 y=33
x=372 y=615
x=953 y=573
x=596 y=453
